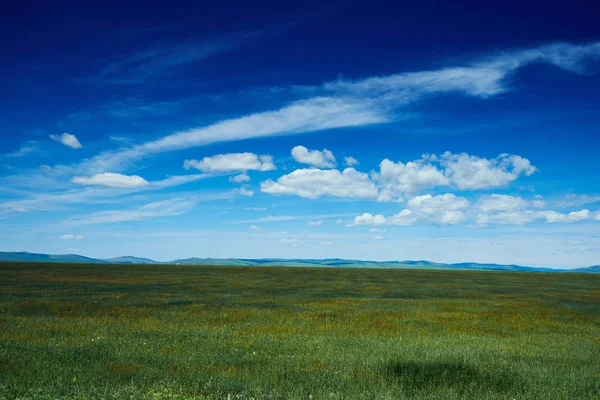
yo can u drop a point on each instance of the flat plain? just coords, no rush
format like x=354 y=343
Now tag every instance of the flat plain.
x=75 y=331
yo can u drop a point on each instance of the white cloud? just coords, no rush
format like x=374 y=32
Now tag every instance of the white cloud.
x=378 y=237
x=574 y=216
x=399 y=178
x=68 y=140
x=245 y=192
x=472 y=172
x=308 y=115
x=503 y=209
x=480 y=79
x=178 y=180
x=29 y=147
x=404 y=217
x=339 y=221
x=512 y=217
x=240 y=178
x=112 y=180
x=574 y=200
x=312 y=183
x=461 y=170
x=280 y=218
x=370 y=219
x=327 y=243
x=255 y=208
x=511 y=210
x=367 y=101
x=314 y=158
x=350 y=161
x=498 y=202
x=315 y=223
x=232 y=162
x=255 y=228
x=288 y=241
x=376 y=230
x=446 y=209
x=71 y=237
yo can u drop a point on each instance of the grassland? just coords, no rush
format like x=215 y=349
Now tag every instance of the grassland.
x=182 y=332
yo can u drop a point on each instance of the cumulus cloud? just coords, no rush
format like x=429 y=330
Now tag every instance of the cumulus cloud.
x=350 y=161
x=395 y=180
x=255 y=228
x=573 y=216
x=446 y=209
x=315 y=223
x=370 y=219
x=498 y=202
x=514 y=210
x=399 y=178
x=513 y=217
x=312 y=183
x=111 y=180
x=71 y=237
x=68 y=140
x=232 y=162
x=315 y=158
x=449 y=209
x=243 y=177
x=503 y=209
x=472 y=172
x=377 y=237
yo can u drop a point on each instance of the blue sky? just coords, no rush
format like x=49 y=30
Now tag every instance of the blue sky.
x=354 y=130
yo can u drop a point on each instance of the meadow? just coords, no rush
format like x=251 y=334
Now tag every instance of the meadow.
x=73 y=331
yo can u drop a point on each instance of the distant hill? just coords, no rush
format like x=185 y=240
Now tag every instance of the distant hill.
x=34 y=257
x=283 y=262
x=130 y=260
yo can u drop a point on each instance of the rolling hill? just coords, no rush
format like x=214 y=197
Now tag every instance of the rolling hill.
x=282 y=262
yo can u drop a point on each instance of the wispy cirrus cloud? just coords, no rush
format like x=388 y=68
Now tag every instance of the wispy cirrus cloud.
x=372 y=100
x=166 y=208
x=111 y=180
x=71 y=237
x=575 y=200
x=284 y=218
x=169 y=57
x=102 y=190
x=29 y=147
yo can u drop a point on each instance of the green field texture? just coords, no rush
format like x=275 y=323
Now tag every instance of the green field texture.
x=99 y=331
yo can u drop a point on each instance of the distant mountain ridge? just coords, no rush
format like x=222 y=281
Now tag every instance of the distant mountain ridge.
x=282 y=262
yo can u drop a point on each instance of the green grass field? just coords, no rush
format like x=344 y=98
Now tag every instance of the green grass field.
x=182 y=332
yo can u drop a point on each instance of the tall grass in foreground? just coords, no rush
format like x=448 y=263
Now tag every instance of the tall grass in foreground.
x=183 y=332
